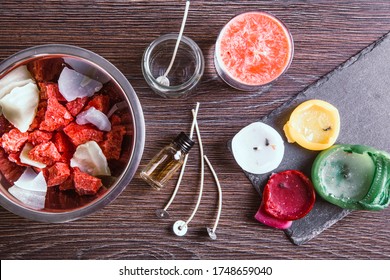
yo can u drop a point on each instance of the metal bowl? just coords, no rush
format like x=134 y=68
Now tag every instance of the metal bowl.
x=67 y=206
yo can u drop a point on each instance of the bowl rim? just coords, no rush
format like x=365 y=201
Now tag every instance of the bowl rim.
x=107 y=67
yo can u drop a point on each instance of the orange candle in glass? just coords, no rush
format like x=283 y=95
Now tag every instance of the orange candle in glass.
x=252 y=50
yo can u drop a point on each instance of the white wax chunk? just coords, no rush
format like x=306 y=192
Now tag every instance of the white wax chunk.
x=16 y=78
x=32 y=199
x=30 y=189
x=73 y=85
x=32 y=181
x=20 y=105
x=258 y=148
x=90 y=159
x=95 y=117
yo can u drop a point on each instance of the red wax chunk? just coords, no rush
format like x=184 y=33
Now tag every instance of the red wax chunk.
x=67 y=184
x=62 y=142
x=46 y=153
x=79 y=134
x=56 y=116
x=84 y=183
x=38 y=137
x=49 y=90
x=112 y=145
x=66 y=157
x=288 y=195
x=13 y=140
x=115 y=119
x=57 y=174
x=100 y=102
x=9 y=169
x=74 y=107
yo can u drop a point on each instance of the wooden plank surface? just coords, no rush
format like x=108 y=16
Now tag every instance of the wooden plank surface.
x=326 y=33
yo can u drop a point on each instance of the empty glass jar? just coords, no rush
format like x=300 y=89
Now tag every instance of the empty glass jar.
x=186 y=71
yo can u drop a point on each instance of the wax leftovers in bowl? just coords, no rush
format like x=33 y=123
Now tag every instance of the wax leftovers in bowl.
x=72 y=123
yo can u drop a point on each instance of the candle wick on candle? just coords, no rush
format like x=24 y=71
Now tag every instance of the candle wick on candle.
x=163 y=79
x=345 y=172
x=266 y=142
x=327 y=129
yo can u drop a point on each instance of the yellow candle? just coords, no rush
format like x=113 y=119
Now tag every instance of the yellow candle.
x=314 y=125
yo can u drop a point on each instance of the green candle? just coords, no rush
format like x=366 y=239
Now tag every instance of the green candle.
x=353 y=177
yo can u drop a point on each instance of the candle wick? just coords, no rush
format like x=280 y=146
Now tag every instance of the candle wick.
x=256 y=148
x=266 y=142
x=163 y=79
x=345 y=172
x=327 y=129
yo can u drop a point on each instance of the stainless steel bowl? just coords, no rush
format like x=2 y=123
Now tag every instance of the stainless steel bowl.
x=56 y=210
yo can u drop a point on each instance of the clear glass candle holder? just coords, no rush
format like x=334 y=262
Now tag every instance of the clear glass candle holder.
x=186 y=71
x=252 y=50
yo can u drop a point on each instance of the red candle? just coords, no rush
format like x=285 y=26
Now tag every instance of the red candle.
x=263 y=217
x=252 y=50
x=288 y=196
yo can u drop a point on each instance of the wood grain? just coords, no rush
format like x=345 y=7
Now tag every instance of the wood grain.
x=326 y=33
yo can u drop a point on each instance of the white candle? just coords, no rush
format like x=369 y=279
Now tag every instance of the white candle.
x=258 y=148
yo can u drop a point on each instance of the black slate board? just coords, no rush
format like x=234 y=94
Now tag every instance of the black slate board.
x=360 y=89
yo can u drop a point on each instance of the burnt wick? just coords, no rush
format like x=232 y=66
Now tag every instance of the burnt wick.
x=345 y=172
x=266 y=142
x=327 y=129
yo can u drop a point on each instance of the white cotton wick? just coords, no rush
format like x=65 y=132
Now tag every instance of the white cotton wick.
x=180 y=227
x=163 y=80
x=183 y=166
x=212 y=231
x=201 y=169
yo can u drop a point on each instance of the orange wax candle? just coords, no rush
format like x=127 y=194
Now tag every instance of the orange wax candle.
x=252 y=50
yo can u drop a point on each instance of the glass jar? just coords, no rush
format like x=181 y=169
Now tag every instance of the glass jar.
x=187 y=69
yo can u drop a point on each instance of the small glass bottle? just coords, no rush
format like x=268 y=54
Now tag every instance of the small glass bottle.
x=162 y=167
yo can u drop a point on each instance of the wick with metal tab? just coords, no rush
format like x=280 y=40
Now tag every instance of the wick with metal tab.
x=163 y=213
x=164 y=79
x=180 y=227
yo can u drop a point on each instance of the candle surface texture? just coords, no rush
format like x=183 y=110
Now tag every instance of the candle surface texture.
x=353 y=177
x=314 y=125
x=287 y=196
x=258 y=148
x=254 y=48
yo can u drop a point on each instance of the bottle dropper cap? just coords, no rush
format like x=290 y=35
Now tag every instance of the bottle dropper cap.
x=184 y=142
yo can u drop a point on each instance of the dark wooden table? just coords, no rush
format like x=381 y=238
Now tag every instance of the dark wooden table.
x=326 y=33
